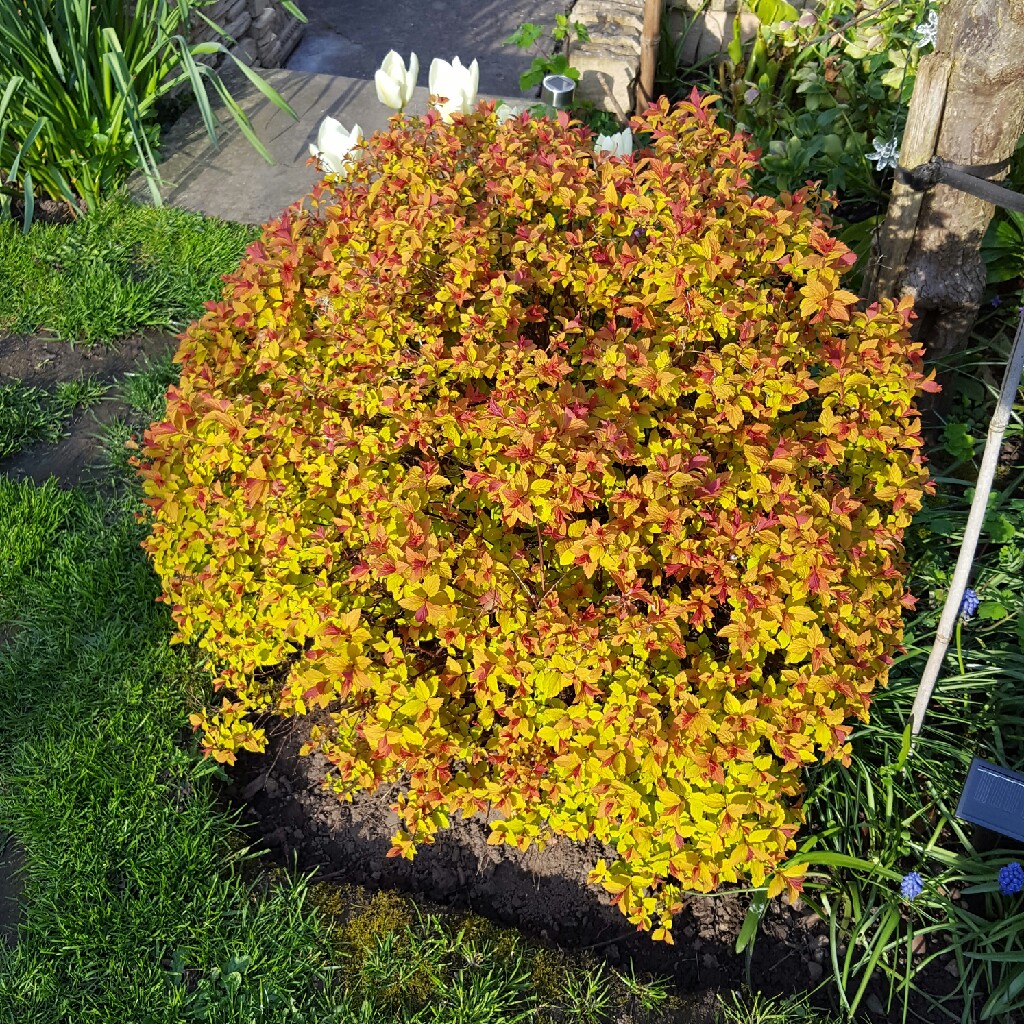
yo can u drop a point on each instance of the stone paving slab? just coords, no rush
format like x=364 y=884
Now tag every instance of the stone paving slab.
x=351 y=37
x=231 y=180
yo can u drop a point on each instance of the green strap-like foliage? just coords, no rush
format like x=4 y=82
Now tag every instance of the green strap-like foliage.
x=78 y=90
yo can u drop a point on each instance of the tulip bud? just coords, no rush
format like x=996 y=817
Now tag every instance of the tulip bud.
x=456 y=84
x=395 y=84
x=620 y=144
x=334 y=145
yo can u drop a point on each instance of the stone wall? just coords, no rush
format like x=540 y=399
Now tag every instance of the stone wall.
x=264 y=33
x=709 y=26
x=610 y=62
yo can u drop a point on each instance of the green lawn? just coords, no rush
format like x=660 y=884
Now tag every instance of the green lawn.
x=129 y=267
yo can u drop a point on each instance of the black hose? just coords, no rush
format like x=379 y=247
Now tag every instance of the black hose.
x=938 y=171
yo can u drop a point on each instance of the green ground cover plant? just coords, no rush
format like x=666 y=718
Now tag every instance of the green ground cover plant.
x=127 y=267
x=30 y=415
x=823 y=94
x=817 y=92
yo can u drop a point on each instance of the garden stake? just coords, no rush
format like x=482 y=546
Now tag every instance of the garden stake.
x=648 y=54
x=951 y=609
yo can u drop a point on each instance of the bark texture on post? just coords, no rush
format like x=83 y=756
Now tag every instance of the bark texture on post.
x=967 y=107
x=649 y=54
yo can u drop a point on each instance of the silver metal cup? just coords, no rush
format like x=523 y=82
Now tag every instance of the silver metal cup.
x=557 y=91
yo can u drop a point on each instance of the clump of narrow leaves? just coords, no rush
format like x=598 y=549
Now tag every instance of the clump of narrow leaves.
x=566 y=486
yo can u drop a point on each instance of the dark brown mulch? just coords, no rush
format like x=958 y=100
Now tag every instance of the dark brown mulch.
x=11 y=885
x=46 y=211
x=542 y=893
x=40 y=362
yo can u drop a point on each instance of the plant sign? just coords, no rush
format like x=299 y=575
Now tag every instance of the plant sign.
x=993 y=797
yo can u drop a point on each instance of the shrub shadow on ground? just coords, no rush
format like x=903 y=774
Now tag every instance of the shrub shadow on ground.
x=543 y=893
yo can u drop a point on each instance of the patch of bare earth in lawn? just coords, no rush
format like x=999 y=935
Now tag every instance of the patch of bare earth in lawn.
x=40 y=362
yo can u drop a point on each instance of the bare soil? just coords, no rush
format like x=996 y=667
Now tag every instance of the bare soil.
x=544 y=893
x=11 y=886
x=41 y=362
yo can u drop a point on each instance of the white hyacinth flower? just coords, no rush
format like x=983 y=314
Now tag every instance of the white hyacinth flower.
x=456 y=84
x=334 y=144
x=396 y=83
x=620 y=144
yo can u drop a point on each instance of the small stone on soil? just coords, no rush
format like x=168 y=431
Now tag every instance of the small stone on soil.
x=254 y=787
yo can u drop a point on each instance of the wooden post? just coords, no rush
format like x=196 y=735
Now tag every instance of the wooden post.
x=894 y=237
x=648 y=54
x=967 y=108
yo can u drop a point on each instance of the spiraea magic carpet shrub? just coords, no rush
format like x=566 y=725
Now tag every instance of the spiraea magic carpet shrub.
x=567 y=487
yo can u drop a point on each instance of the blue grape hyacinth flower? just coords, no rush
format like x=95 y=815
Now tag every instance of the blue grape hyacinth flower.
x=969 y=604
x=1011 y=879
x=912 y=886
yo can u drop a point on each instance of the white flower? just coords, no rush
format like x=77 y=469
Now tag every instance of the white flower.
x=927 y=30
x=751 y=95
x=616 y=145
x=507 y=111
x=333 y=145
x=457 y=84
x=395 y=84
x=886 y=154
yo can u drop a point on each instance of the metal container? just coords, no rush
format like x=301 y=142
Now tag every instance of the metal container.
x=557 y=91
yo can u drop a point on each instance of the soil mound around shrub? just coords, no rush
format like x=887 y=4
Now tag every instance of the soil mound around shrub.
x=543 y=893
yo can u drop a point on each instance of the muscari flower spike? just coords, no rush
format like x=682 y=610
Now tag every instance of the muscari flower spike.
x=1011 y=879
x=912 y=886
x=969 y=604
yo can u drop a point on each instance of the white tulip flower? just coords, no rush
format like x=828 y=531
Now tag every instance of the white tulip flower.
x=395 y=84
x=615 y=145
x=334 y=144
x=507 y=111
x=457 y=84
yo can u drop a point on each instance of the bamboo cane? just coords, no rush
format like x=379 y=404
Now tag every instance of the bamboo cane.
x=975 y=519
x=648 y=54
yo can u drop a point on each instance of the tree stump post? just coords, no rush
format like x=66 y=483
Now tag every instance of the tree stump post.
x=968 y=108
